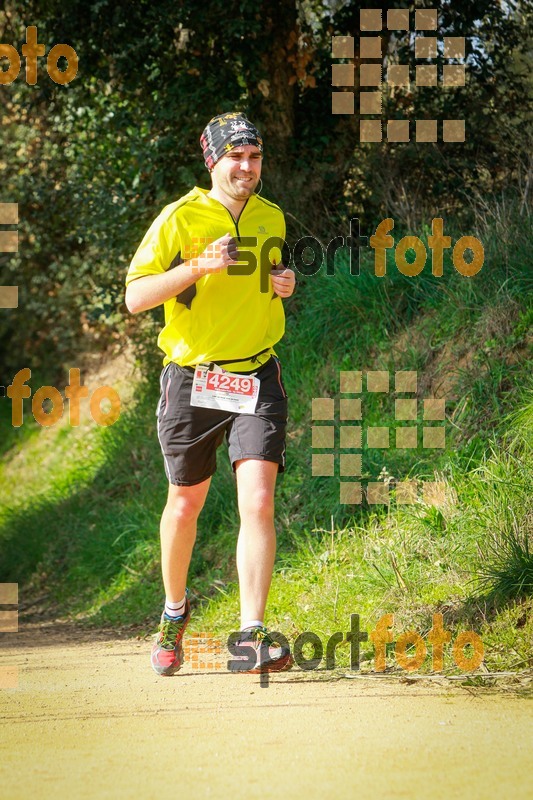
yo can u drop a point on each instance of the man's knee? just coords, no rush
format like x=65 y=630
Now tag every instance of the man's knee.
x=258 y=502
x=184 y=503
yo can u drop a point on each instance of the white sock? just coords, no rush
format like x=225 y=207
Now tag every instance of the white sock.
x=175 y=609
x=253 y=623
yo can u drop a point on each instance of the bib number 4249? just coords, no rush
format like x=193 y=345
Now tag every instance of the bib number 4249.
x=239 y=385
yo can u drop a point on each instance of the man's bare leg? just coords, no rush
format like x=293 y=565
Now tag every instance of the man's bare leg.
x=256 y=546
x=178 y=534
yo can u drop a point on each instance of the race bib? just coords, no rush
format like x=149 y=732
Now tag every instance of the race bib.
x=224 y=390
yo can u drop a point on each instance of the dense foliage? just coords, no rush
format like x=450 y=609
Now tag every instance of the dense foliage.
x=91 y=163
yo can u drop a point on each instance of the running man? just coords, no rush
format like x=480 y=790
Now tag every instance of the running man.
x=221 y=376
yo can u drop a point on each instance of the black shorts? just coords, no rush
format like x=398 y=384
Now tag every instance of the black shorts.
x=189 y=436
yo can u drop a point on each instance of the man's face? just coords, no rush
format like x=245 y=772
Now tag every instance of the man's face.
x=238 y=172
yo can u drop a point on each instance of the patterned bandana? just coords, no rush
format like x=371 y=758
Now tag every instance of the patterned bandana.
x=225 y=132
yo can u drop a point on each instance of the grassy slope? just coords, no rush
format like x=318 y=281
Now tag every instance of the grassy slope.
x=79 y=520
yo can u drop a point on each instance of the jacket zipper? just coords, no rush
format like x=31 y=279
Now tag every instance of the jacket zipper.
x=236 y=224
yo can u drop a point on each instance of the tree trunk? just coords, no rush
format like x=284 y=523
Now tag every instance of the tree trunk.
x=278 y=86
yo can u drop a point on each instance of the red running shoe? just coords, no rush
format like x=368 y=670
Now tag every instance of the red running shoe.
x=167 y=652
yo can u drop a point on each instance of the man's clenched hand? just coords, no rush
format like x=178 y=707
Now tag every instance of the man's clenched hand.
x=217 y=256
x=283 y=280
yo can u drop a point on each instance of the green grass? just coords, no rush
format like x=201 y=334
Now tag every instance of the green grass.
x=506 y=483
x=80 y=512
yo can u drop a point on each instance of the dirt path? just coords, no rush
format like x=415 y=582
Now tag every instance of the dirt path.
x=90 y=720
